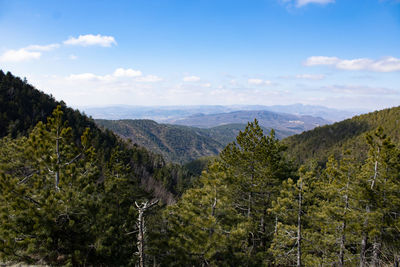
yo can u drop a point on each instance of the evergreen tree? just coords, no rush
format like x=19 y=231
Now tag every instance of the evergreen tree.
x=115 y=227
x=293 y=243
x=203 y=226
x=379 y=200
x=336 y=217
x=47 y=203
x=256 y=167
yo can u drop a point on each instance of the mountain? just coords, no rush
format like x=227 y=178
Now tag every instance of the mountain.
x=316 y=111
x=289 y=123
x=166 y=113
x=157 y=113
x=321 y=142
x=175 y=142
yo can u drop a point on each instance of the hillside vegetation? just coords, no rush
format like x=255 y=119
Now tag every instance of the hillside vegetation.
x=50 y=153
x=323 y=141
x=177 y=143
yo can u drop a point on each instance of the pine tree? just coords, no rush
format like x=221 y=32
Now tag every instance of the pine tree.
x=379 y=200
x=256 y=167
x=203 y=226
x=293 y=242
x=48 y=205
x=115 y=227
x=336 y=217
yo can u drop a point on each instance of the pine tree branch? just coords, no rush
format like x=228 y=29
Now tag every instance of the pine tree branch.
x=27 y=177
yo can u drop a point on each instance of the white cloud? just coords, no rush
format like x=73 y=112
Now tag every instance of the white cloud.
x=206 y=85
x=259 y=82
x=84 y=77
x=35 y=51
x=42 y=47
x=73 y=57
x=301 y=3
x=120 y=72
x=387 y=64
x=26 y=53
x=360 y=90
x=310 y=76
x=19 y=55
x=91 y=40
x=149 y=79
x=191 y=79
x=119 y=75
x=318 y=60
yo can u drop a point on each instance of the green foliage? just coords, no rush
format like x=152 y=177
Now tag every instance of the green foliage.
x=324 y=141
x=178 y=144
x=378 y=197
x=223 y=220
x=203 y=225
x=44 y=219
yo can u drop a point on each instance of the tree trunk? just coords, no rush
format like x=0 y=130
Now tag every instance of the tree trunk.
x=250 y=196
x=140 y=242
x=364 y=241
x=299 y=226
x=213 y=207
x=142 y=230
x=343 y=236
x=57 y=171
x=376 y=247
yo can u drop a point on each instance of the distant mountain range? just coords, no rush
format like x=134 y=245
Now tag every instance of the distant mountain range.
x=168 y=113
x=292 y=124
x=205 y=135
x=175 y=142
x=185 y=133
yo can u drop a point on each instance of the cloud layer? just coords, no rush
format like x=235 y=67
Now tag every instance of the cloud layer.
x=301 y=3
x=32 y=52
x=91 y=40
x=387 y=64
x=191 y=79
x=27 y=53
x=119 y=75
x=254 y=81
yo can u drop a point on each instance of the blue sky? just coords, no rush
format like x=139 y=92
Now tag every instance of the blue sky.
x=337 y=53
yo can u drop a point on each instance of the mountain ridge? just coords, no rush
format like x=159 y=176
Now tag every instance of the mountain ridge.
x=177 y=143
x=324 y=141
x=163 y=113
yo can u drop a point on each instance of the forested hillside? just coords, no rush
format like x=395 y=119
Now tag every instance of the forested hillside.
x=177 y=143
x=67 y=188
x=71 y=194
x=323 y=141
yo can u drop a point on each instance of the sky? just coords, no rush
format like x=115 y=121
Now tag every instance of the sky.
x=341 y=54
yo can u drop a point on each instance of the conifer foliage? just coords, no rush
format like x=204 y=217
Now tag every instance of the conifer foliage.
x=46 y=197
